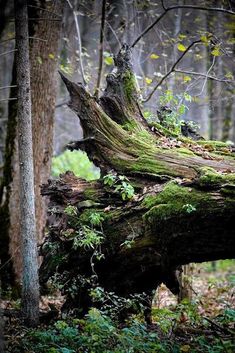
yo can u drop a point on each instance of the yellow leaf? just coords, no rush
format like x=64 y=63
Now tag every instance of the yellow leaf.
x=148 y=80
x=181 y=47
x=187 y=79
x=216 y=51
x=204 y=39
x=182 y=36
x=154 y=56
x=51 y=56
x=229 y=75
x=185 y=348
x=108 y=60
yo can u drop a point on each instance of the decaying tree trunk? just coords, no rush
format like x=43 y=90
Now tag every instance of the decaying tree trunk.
x=182 y=210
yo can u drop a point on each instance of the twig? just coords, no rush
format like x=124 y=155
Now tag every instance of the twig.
x=172 y=69
x=45 y=10
x=146 y=30
x=101 y=48
x=8 y=52
x=44 y=19
x=205 y=81
x=203 y=75
x=166 y=9
x=7 y=40
x=79 y=43
x=61 y=104
x=5 y=87
x=221 y=328
x=36 y=38
x=114 y=33
x=8 y=99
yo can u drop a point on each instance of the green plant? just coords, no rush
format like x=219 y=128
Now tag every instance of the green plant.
x=87 y=238
x=121 y=185
x=189 y=208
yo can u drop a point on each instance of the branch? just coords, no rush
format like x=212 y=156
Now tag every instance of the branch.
x=166 y=9
x=79 y=43
x=101 y=49
x=8 y=52
x=45 y=10
x=203 y=75
x=172 y=69
x=5 y=87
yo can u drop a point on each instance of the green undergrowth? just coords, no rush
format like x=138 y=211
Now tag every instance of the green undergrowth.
x=77 y=162
x=97 y=333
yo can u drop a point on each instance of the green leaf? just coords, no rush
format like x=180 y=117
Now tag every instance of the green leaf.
x=39 y=60
x=187 y=97
x=181 y=47
x=154 y=56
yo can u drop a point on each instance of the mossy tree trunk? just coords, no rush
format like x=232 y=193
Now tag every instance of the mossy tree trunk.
x=182 y=210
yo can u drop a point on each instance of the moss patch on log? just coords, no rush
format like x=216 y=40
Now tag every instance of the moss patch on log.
x=175 y=200
x=210 y=178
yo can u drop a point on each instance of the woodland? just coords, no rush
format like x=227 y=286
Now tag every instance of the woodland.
x=117 y=176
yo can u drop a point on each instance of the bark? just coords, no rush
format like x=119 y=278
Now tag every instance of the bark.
x=182 y=211
x=30 y=283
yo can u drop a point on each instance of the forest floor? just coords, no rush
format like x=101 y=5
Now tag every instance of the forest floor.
x=205 y=324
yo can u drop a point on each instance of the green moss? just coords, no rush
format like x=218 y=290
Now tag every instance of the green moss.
x=129 y=84
x=130 y=126
x=210 y=178
x=185 y=151
x=90 y=194
x=163 y=130
x=214 y=144
x=174 y=201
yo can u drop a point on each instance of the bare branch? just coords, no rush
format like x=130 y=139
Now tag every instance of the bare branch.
x=7 y=40
x=172 y=69
x=5 y=87
x=8 y=52
x=8 y=99
x=101 y=49
x=45 y=10
x=79 y=43
x=44 y=19
x=146 y=30
x=167 y=9
x=203 y=75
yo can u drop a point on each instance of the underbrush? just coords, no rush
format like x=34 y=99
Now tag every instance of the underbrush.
x=176 y=330
x=203 y=325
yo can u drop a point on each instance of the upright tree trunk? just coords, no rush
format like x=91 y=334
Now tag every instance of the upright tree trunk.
x=30 y=284
x=43 y=59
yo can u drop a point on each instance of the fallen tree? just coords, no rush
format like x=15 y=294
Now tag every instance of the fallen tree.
x=161 y=201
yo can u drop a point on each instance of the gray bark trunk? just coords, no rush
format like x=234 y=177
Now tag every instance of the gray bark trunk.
x=30 y=287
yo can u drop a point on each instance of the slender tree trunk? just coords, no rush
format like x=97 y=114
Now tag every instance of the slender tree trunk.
x=43 y=60
x=30 y=286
